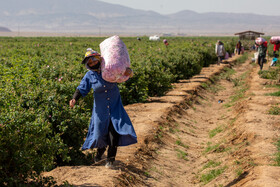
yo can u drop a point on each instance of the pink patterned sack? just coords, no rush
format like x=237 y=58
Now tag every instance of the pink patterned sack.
x=260 y=41
x=274 y=39
x=115 y=59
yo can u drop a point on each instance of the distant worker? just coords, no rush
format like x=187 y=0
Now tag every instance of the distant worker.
x=276 y=48
x=239 y=47
x=165 y=42
x=220 y=51
x=262 y=48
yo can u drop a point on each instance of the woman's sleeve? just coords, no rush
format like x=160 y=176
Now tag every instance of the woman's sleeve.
x=85 y=85
x=77 y=95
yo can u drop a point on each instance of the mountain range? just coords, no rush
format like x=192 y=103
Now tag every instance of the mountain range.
x=100 y=18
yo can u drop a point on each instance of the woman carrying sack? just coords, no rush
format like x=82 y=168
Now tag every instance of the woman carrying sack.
x=110 y=125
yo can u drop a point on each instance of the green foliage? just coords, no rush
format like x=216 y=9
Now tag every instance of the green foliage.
x=277 y=159
x=211 y=164
x=227 y=74
x=215 y=131
x=239 y=93
x=239 y=171
x=270 y=74
x=38 y=77
x=243 y=58
x=179 y=142
x=211 y=147
x=212 y=174
x=274 y=110
x=277 y=94
x=182 y=155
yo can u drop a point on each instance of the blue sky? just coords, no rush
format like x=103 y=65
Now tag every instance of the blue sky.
x=263 y=7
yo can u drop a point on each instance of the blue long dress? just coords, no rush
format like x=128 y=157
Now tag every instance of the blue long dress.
x=107 y=106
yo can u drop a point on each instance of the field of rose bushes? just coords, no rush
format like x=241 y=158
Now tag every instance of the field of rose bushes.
x=38 y=130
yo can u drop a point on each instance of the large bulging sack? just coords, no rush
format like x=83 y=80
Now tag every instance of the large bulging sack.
x=115 y=59
x=274 y=39
x=260 y=41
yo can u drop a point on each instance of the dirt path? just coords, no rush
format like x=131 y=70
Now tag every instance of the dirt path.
x=198 y=134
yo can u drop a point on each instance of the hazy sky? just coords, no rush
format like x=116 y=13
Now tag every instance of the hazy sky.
x=264 y=7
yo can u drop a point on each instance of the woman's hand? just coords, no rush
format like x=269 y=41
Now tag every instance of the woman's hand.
x=72 y=103
x=128 y=72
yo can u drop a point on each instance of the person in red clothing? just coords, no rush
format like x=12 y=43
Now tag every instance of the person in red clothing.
x=265 y=43
x=165 y=42
x=276 y=48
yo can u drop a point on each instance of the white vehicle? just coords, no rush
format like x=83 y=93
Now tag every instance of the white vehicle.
x=154 y=38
